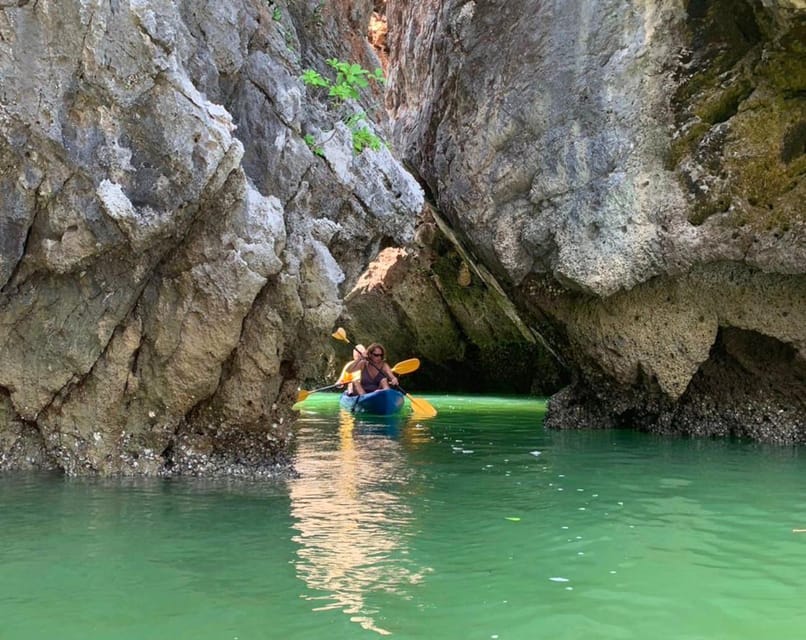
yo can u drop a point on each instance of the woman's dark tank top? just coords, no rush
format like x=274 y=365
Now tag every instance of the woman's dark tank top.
x=370 y=382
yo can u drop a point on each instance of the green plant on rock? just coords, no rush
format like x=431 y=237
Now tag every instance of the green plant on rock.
x=313 y=78
x=350 y=79
x=362 y=136
x=311 y=142
x=276 y=12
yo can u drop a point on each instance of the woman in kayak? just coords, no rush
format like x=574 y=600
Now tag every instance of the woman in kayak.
x=375 y=371
x=359 y=353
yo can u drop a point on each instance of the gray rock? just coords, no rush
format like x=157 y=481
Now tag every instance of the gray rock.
x=171 y=249
x=632 y=175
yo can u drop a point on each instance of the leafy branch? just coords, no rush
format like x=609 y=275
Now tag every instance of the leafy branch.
x=350 y=79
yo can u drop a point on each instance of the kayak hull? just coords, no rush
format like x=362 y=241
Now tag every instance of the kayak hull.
x=383 y=402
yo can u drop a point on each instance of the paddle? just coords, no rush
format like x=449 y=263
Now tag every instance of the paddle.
x=420 y=407
x=404 y=366
x=302 y=393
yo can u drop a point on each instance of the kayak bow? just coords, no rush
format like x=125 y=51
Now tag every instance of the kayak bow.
x=383 y=402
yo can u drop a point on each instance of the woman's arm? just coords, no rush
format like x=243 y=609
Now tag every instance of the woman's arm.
x=387 y=370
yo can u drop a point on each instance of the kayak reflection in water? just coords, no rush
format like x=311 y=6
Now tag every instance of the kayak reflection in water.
x=353 y=528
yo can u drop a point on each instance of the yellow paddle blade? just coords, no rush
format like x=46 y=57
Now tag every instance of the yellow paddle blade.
x=348 y=377
x=340 y=334
x=421 y=408
x=406 y=366
x=302 y=394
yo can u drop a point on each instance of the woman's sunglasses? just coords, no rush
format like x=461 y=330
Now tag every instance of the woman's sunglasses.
x=377 y=354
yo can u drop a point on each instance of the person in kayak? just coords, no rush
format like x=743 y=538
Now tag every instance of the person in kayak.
x=375 y=371
x=359 y=353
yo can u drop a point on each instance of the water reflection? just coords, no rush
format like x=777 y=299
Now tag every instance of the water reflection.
x=352 y=517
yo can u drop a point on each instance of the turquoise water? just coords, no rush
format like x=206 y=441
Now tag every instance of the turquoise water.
x=476 y=524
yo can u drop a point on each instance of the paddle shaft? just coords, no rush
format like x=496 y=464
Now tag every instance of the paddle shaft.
x=405 y=366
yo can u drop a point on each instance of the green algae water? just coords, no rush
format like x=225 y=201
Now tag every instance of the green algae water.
x=475 y=524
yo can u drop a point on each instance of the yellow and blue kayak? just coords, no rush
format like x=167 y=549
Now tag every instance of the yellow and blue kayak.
x=383 y=402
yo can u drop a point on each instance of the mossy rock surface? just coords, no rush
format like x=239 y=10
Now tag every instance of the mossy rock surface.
x=741 y=112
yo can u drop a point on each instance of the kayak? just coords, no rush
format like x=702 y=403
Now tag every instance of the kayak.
x=383 y=402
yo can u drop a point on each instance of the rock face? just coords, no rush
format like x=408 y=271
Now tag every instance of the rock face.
x=171 y=246
x=181 y=216
x=433 y=301
x=633 y=176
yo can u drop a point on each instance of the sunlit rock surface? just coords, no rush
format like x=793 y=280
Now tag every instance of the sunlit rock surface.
x=433 y=302
x=171 y=248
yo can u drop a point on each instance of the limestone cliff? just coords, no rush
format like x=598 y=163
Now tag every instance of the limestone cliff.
x=618 y=184
x=632 y=173
x=177 y=212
